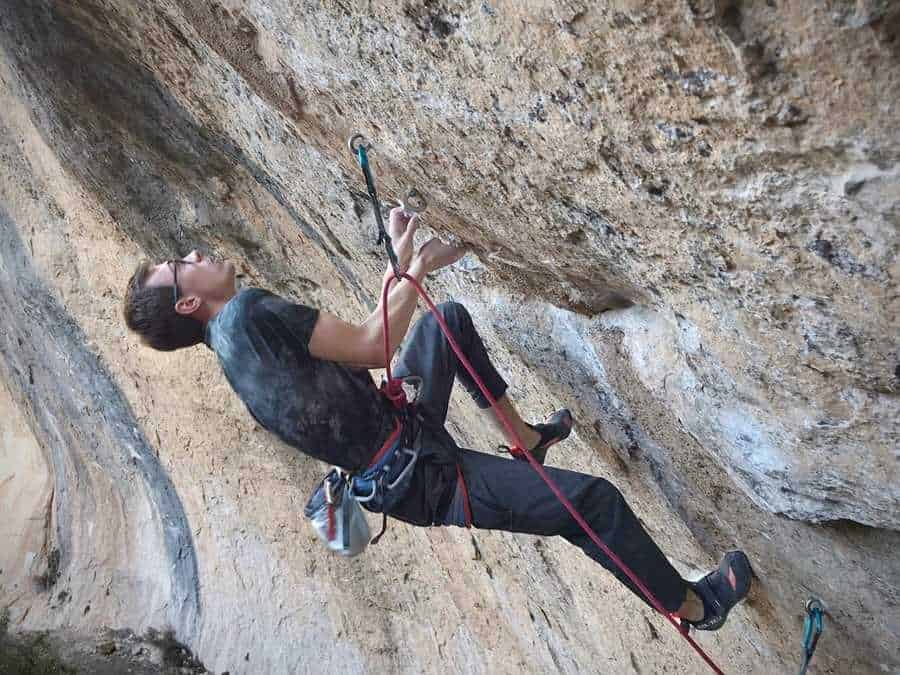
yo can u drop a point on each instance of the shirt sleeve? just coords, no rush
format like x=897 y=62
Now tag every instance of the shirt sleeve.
x=285 y=325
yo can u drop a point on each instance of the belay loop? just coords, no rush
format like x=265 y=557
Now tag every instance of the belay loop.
x=360 y=151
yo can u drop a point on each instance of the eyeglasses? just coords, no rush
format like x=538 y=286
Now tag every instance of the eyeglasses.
x=174 y=263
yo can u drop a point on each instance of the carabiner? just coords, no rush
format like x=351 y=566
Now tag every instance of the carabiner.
x=414 y=202
x=813 y=625
x=354 y=147
x=363 y=498
x=414 y=455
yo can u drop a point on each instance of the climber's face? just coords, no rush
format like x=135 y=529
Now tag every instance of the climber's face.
x=197 y=279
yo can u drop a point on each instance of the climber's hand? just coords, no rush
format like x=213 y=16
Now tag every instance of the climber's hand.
x=436 y=254
x=402 y=229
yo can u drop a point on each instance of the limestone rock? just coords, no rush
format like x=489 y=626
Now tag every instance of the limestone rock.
x=683 y=218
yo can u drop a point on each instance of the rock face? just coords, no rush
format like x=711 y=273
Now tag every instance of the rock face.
x=684 y=222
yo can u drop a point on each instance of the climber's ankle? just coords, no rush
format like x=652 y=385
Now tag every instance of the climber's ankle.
x=692 y=607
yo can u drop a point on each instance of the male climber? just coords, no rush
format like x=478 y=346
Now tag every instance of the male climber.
x=303 y=375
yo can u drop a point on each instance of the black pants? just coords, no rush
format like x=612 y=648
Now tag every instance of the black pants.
x=507 y=494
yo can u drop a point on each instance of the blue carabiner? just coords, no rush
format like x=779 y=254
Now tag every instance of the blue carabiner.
x=813 y=625
x=363 y=157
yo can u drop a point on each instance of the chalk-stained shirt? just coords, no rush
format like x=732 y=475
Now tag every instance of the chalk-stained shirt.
x=327 y=410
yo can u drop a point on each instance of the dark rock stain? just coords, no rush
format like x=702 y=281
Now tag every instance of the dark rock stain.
x=59 y=407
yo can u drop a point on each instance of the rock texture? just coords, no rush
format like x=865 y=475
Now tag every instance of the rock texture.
x=684 y=221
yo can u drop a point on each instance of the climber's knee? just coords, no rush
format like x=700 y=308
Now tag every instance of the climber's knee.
x=457 y=317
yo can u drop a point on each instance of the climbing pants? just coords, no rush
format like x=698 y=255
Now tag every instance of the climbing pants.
x=507 y=494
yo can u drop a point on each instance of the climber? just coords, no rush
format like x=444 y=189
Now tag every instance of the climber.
x=303 y=375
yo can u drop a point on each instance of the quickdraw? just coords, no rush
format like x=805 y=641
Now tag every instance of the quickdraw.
x=358 y=148
x=813 y=625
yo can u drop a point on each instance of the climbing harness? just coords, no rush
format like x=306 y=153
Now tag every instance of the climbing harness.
x=334 y=507
x=392 y=387
x=813 y=625
x=384 y=483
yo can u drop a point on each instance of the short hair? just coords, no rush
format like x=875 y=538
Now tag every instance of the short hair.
x=150 y=312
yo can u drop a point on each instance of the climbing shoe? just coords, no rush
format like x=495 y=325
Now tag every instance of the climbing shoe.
x=554 y=430
x=722 y=589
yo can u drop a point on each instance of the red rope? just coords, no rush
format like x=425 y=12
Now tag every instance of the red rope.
x=393 y=384
x=467 y=505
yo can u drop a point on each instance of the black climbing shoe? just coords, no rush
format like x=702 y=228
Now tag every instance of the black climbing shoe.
x=552 y=431
x=722 y=589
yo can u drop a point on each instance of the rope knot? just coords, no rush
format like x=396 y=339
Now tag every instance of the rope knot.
x=393 y=390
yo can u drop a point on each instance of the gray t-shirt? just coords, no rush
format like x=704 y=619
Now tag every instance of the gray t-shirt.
x=329 y=411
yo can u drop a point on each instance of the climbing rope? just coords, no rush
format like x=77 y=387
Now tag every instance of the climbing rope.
x=394 y=388
x=813 y=625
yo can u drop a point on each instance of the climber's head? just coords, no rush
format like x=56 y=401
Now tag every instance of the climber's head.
x=168 y=304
